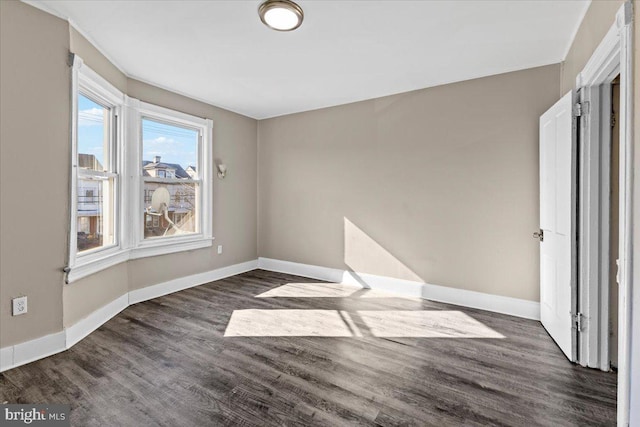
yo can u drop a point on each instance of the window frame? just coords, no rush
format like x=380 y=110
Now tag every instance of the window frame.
x=88 y=83
x=202 y=238
x=126 y=160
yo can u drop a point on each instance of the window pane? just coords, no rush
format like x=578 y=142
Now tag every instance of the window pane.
x=93 y=135
x=94 y=217
x=169 y=208
x=168 y=151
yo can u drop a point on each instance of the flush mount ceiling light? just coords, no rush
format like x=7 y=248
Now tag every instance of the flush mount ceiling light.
x=281 y=15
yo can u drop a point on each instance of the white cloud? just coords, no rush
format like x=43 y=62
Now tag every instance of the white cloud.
x=159 y=140
x=91 y=117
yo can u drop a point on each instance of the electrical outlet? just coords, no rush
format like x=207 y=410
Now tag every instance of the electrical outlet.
x=219 y=249
x=19 y=305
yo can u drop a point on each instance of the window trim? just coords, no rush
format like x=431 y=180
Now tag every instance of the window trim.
x=138 y=110
x=87 y=81
x=129 y=242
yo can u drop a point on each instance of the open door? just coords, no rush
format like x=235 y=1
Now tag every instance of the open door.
x=558 y=284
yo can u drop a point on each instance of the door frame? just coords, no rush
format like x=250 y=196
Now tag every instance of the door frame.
x=614 y=55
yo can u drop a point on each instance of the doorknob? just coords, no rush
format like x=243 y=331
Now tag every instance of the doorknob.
x=539 y=235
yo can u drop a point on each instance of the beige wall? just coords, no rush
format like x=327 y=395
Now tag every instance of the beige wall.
x=597 y=21
x=34 y=168
x=419 y=181
x=94 y=59
x=84 y=296
x=35 y=104
x=438 y=185
x=234 y=198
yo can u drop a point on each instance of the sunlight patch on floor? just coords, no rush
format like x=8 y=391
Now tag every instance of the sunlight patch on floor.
x=425 y=324
x=340 y=323
x=324 y=290
x=287 y=323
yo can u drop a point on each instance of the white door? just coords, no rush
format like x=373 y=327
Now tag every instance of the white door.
x=558 y=223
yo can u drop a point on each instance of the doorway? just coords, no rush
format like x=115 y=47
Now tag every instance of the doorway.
x=614 y=223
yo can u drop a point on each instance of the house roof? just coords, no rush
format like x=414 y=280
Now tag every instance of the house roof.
x=180 y=172
x=89 y=161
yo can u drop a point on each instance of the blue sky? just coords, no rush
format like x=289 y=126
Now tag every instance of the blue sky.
x=174 y=144
x=90 y=128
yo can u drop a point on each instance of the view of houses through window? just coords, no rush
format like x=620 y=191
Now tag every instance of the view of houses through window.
x=95 y=184
x=170 y=178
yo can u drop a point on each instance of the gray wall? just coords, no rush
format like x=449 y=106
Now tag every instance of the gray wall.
x=438 y=185
x=234 y=198
x=597 y=21
x=34 y=168
x=422 y=182
x=35 y=174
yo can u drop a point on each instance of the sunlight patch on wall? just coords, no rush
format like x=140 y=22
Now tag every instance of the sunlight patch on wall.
x=364 y=255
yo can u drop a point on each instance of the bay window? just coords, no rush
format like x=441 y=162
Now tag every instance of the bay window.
x=141 y=177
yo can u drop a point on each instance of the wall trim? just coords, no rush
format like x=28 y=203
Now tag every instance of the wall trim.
x=39 y=348
x=32 y=350
x=489 y=302
x=84 y=327
x=175 y=285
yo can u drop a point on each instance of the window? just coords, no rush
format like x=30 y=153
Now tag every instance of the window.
x=175 y=179
x=138 y=191
x=172 y=148
x=96 y=172
x=95 y=226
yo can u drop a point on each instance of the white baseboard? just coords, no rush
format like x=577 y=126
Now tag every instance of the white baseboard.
x=6 y=358
x=494 y=303
x=20 y=354
x=39 y=348
x=84 y=327
x=155 y=291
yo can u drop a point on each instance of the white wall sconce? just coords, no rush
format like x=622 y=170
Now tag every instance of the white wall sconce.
x=222 y=170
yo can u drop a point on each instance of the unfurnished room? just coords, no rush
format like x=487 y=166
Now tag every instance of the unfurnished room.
x=319 y=213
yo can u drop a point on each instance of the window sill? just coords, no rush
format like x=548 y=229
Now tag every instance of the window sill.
x=88 y=267
x=85 y=268
x=152 y=248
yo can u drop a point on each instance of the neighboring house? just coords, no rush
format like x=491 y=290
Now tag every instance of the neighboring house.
x=89 y=226
x=182 y=200
x=180 y=210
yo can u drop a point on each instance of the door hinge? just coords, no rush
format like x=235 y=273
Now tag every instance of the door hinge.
x=578 y=321
x=580 y=109
x=539 y=235
x=613 y=120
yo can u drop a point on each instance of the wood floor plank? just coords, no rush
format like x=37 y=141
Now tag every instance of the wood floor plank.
x=168 y=362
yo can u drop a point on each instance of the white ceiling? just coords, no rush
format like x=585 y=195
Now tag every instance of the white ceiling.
x=345 y=51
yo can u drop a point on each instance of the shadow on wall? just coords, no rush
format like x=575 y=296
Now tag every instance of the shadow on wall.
x=362 y=254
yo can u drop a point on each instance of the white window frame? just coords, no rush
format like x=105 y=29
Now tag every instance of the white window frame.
x=202 y=238
x=129 y=220
x=85 y=80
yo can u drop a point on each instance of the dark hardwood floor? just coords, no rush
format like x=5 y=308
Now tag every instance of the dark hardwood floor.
x=388 y=361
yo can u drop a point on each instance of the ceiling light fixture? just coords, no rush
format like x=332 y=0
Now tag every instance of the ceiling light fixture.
x=281 y=15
